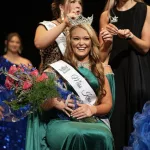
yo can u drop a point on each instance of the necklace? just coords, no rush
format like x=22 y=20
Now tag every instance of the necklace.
x=84 y=64
x=113 y=19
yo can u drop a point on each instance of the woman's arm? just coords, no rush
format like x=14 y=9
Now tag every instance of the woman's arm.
x=104 y=108
x=141 y=45
x=106 y=102
x=43 y=38
x=105 y=38
x=57 y=102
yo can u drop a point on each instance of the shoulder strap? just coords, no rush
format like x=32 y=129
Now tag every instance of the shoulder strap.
x=60 y=40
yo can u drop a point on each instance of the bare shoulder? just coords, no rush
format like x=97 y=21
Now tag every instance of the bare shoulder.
x=104 y=19
x=107 y=69
x=104 y=16
x=148 y=13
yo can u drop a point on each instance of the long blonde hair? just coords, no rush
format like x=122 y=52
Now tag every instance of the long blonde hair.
x=94 y=56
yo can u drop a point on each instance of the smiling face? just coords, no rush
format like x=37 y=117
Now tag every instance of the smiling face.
x=80 y=43
x=14 y=44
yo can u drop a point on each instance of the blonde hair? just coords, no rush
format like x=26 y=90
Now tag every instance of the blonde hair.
x=94 y=57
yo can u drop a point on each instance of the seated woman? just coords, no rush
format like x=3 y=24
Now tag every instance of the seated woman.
x=83 y=62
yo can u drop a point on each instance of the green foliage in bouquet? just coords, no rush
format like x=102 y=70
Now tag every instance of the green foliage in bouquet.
x=39 y=92
x=32 y=88
x=29 y=86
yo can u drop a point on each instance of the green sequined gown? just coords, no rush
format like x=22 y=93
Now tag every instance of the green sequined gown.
x=70 y=135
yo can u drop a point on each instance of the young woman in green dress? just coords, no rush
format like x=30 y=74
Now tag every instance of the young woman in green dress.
x=82 y=53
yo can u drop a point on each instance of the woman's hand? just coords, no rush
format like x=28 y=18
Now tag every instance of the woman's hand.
x=63 y=106
x=125 y=33
x=70 y=103
x=72 y=15
x=83 y=111
x=57 y=103
x=1 y=114
x=113 y=30
x=106 y=36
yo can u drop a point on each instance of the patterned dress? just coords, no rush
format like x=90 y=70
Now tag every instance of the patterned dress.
x=52 y=53
x=12 y=134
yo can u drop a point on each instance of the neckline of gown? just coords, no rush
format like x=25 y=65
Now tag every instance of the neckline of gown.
x=123 y=11
x=9 y=61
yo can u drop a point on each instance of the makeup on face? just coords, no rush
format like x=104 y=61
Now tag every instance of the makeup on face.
x=14 y=44
x=80 y=43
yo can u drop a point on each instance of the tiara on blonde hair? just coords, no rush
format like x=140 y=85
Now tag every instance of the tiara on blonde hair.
x=80 y=20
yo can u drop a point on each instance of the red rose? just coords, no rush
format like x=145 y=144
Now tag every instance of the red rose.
x=26 y=85
x=34 y=73
x=42 y=77
x=12 y=69
x=9 y=82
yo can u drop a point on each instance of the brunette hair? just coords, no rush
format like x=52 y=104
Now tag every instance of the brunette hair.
x=9 y=37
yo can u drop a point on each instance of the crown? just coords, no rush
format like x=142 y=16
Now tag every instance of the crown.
x=80 y=20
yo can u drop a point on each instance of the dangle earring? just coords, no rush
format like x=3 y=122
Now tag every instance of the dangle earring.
x=19 y=51
x=62 y=15
x=5 y=49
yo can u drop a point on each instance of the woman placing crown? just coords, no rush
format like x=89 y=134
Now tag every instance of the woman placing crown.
x=50 y=35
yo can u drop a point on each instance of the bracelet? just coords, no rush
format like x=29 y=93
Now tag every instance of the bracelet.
x=93 y=110
x=130 y=37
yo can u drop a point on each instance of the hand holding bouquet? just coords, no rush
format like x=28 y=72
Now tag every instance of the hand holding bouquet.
x=27 y=89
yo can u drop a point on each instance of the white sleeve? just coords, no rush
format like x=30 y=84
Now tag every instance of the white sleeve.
x=47 y=24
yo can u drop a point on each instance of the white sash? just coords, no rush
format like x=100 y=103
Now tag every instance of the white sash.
x=80 y=85
x=61 y=39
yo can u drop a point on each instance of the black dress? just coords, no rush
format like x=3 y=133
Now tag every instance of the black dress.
x=132 y=74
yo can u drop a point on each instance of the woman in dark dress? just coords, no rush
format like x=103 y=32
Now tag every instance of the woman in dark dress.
x=128 y=22
x=12 y=134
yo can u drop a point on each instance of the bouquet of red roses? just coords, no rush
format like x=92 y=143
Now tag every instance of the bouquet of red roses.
x=29 y=87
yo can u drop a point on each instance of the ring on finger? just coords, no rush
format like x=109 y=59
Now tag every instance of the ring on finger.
x=66 y=102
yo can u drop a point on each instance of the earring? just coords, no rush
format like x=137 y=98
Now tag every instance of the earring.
x=19 y=51
x=5 y=49
x=62 y=15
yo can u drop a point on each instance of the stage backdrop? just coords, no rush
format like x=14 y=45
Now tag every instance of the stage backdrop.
x=23 y=17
